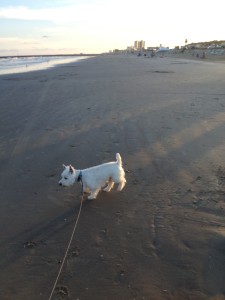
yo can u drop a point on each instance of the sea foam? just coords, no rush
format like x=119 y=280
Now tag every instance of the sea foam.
x=19 y=64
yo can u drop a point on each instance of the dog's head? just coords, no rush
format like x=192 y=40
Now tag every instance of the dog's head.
x=68 y=176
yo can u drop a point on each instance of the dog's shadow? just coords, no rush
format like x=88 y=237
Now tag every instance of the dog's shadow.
x=38 y=235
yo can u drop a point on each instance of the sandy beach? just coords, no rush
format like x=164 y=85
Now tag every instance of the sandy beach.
x=163 y=236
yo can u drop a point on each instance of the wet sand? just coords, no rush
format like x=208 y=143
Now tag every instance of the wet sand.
x=163 y=236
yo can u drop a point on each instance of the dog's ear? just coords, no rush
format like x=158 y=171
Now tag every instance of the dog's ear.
x=64 y=166
x=71 y=169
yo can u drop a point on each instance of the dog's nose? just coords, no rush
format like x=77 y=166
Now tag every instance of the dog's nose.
x=60 y=183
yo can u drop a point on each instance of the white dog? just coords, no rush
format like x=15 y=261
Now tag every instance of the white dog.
x=95 y=178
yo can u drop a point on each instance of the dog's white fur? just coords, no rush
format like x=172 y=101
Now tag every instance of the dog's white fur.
x=95 y=178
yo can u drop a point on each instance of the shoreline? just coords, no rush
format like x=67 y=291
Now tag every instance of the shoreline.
x=51 y=64
x=47 y=55
x=24 y=64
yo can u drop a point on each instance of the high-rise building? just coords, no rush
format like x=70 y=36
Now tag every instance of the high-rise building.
x=136 y=45
x=142 y=44
x=139 y=45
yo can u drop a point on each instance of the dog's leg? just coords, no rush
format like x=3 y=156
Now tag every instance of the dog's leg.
x=121 y=185
x=94 y=194
x=109 y=186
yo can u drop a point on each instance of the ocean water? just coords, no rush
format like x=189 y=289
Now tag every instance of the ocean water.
x=11 y=65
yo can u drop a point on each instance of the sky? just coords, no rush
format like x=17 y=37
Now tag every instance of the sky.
x=95 y=26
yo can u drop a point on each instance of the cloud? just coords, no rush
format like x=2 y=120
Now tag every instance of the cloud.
x=86 y=12
x=25 y=13
x=65 y=14
x=16 y=41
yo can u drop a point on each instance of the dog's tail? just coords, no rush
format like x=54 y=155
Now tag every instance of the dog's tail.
x=118 y=159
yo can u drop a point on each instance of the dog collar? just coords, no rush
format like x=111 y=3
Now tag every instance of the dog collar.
x=79 y=178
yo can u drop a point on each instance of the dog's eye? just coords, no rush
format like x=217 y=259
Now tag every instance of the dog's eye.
x=65 y=178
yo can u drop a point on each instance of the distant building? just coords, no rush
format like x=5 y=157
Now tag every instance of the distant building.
x=139 y=45
x=152 y=48
x=130 y=49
